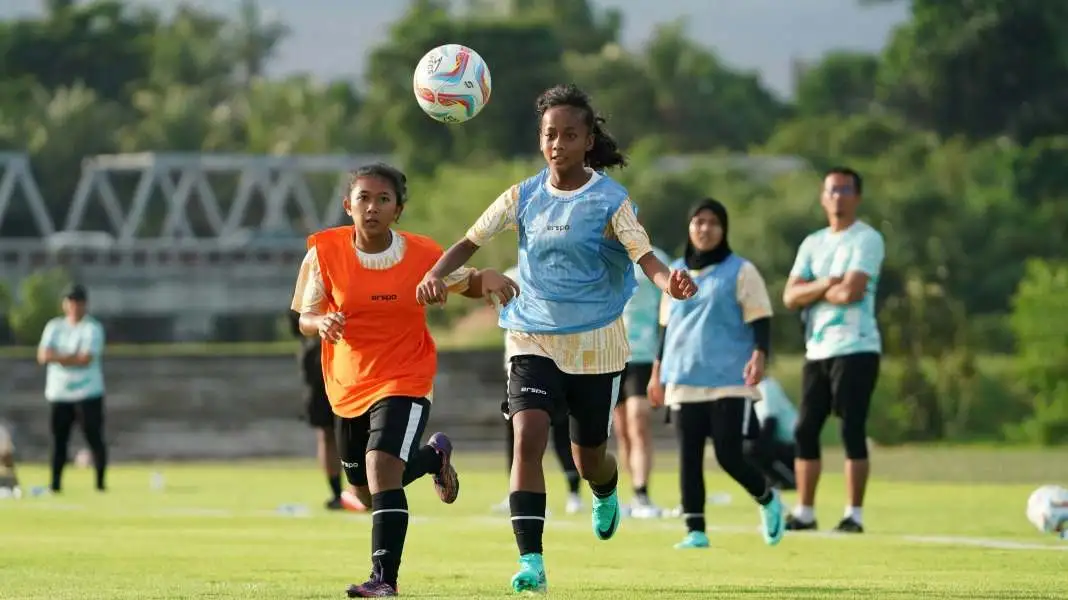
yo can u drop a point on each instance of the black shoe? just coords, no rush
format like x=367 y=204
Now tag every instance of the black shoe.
x=795 y=524
x=848 y=525
x=373 y=588
x=334 y=504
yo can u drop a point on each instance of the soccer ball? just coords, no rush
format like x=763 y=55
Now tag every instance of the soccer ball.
x=1047 y=509
x=452 y=83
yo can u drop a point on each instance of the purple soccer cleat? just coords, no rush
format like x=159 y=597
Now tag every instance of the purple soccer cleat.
x=446 y=481
x=373 y=588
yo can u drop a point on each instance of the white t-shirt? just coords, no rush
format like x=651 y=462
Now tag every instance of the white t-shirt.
x=73 y=384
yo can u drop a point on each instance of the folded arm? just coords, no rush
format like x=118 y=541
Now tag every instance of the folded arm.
x=88 y=349
x=48 y=356
x=850 y=289
x=864 y=263
x=800 y=293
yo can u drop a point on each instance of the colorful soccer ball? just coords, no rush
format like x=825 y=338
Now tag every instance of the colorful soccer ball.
x=1047 y=509
x=452 y=83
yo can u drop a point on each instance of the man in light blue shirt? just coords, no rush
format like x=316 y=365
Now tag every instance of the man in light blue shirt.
x=72 y=347
x=833 y=280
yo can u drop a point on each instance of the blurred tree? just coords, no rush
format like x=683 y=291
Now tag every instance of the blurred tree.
x=256 y=40
x=578 y=24
x=38 y=302
x=980 y=68
x=99 y=44
x=701 y=103
x=1042 y=338
x=842 y=83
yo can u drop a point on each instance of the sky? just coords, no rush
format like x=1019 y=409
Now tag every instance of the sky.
x=332 y=38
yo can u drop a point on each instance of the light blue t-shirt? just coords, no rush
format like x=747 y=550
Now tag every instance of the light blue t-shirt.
x=72 y=384
x=775 y=404
x=833 y=330
x=641 y=316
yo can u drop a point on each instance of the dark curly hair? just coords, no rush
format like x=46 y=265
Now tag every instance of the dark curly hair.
x=391 y=174
x=605 y=152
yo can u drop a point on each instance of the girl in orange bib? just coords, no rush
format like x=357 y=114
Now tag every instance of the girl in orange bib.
x=357 y=290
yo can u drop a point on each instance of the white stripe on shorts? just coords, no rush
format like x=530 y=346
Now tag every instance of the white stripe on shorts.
x=615 y=398
x=412 y=430
x=746 y=416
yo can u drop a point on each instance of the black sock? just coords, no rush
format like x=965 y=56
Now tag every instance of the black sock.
x=604 y=490
x=422 y=461
x=642 y=491
x=695 y=522
x=59 y=461
x=573 y=481
x=389 y=525
x=765 y=498
x=335 y=485
x=100 y=462
x=528 y=520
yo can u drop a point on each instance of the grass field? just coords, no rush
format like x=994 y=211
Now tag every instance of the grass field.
x=942 y=524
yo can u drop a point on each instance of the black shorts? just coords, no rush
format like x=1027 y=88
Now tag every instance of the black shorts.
x=635 y=381
x=393 y=425
x=317 y=410
x=842 y=385
x=535 y=382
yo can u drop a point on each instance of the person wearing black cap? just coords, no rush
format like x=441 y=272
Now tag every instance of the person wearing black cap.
x=72 y=348
x=711 y=359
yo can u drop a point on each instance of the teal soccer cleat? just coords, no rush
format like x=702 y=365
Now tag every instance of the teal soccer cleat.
x=606 y=516
x=772 y=519
x=694 y=539
x=531 y=575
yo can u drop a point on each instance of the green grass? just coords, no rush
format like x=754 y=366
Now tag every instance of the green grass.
x=214 y=532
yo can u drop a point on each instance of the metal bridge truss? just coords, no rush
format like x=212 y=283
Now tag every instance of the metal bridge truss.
x=181 y=177
x=15 y=177
x=176 y=180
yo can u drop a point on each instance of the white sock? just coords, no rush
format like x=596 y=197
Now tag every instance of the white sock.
x=856 y=513
x=805 y=514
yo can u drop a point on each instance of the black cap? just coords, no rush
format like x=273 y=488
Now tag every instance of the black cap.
x=76 y=292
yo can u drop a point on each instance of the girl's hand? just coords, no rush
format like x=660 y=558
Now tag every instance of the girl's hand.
x=331 y=325
x=432 y=290
x=498 y=289
x=680 y=285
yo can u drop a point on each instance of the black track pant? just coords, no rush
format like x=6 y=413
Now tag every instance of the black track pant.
x=90 y=413
x=728 y=422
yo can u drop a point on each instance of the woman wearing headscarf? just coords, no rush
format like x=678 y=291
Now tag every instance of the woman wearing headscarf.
x=710 y=361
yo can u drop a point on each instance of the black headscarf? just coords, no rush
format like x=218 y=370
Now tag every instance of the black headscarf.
x=697 y=259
